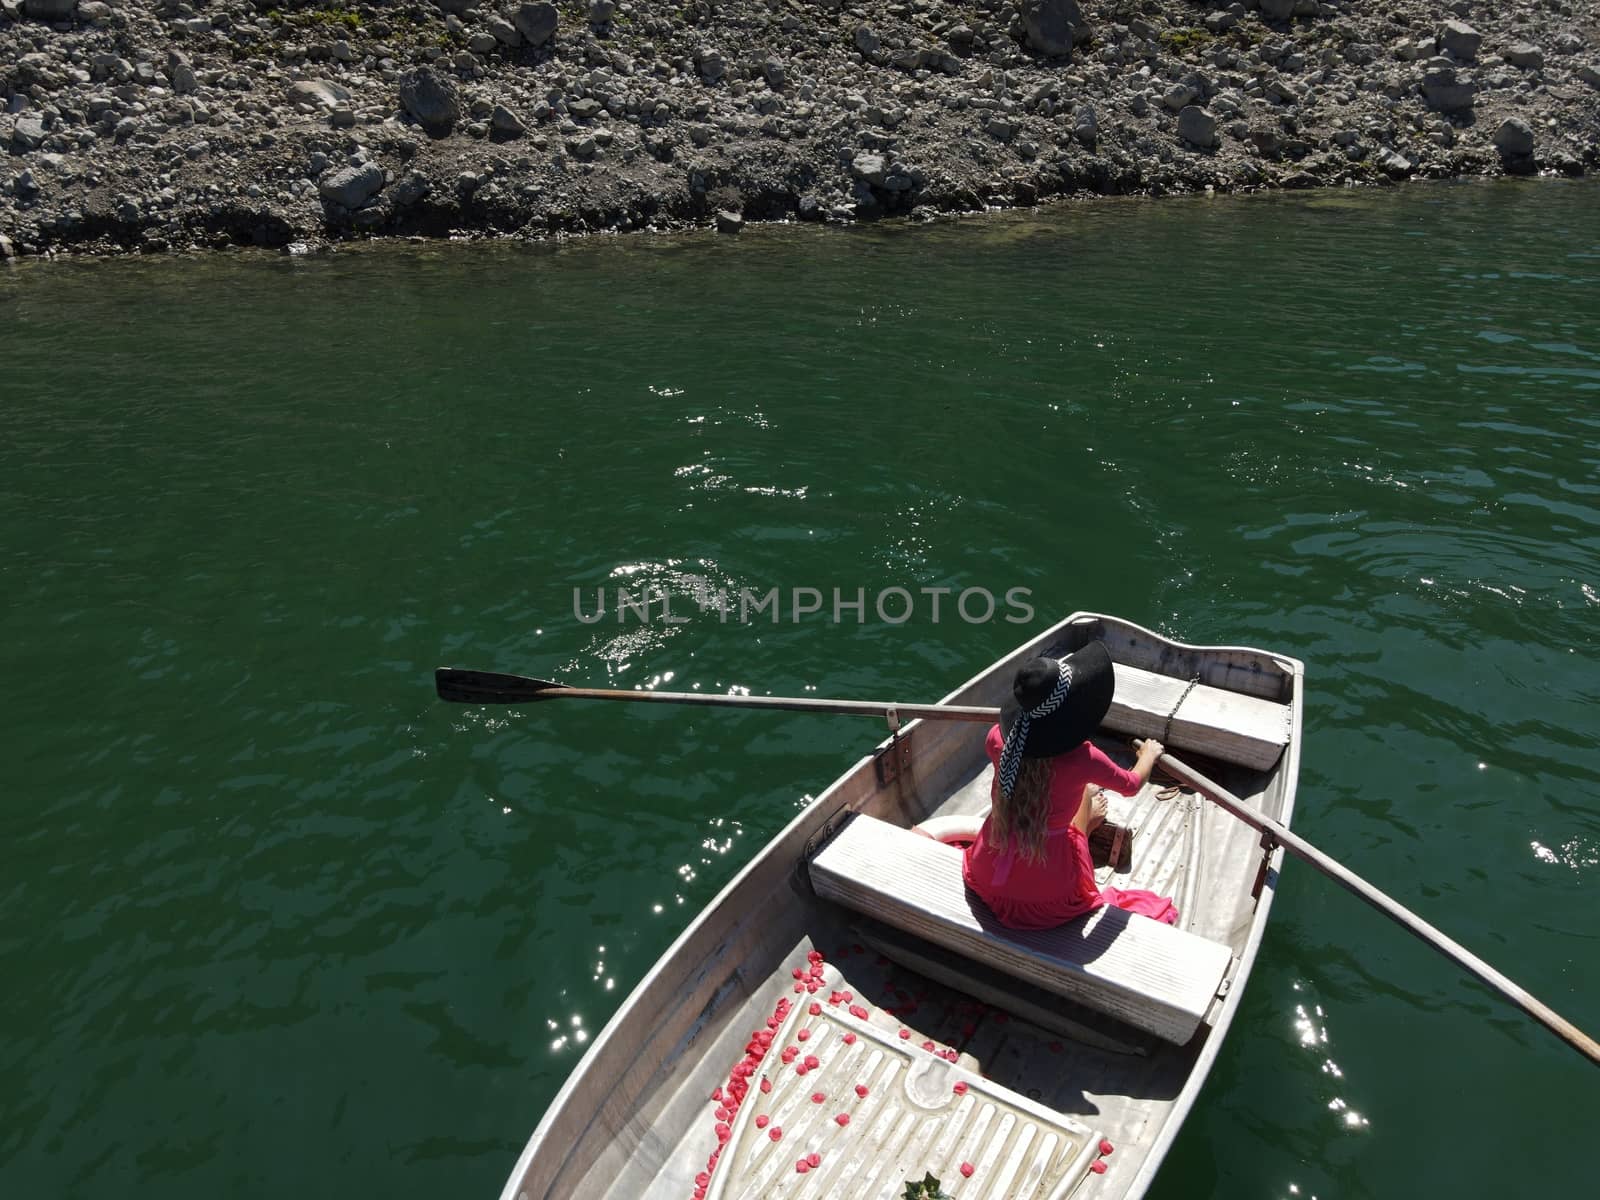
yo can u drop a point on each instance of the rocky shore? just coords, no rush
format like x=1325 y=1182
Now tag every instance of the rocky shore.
x=151 y=125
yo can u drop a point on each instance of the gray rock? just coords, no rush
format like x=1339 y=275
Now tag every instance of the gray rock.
x=1514 y=138
x=504 y=121
x=1086 y=125
x=318 y=91
x=1000 y=129
x=28 y=134
x=1053 y=27
x=1197 y=126
x=1416 y=50
x=7 y=250
x=1590 y=75
x=1392 y=163
x=729 y=221
x=1460 y=39
x=537 y=23
x=584 y=110
x=866 y=41
x=711 y=64
x=601 y=12
x=410 y=189
x=49 y=10
x=1179 y=96
x=1524 y=55
x=772 y=70
x=870 y=168
x=181 y=73
x=430 y=98
x=1278 y=10
x=582 y=148
x=353 y=186
x=503 y=31
x=1444 y=92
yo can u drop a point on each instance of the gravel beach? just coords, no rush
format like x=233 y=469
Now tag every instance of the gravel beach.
x=151 y=125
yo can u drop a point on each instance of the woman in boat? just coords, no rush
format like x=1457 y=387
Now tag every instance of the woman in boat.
x=1030 y=863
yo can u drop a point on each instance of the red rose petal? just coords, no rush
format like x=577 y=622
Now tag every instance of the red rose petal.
x=812 y=1062
x=761 y=1120
x=801 y=1069
x=967 y=1169
x=817 y=1097
x=798 y=973
x=702 y=1179
x=801 y=1167
x=905 y=1035
x=849 y=1039
x=814 y=1159
x=804 y=1035
x=927 y=1045
x=960 y=1087
x=766 y=1086
x=843 y=1119
x=1098 y=1166
x=857 y=1011
x=815 y=1010
x=861 y=1090
x=1105 y=1146
x=775 y=1132
x=723 y=1133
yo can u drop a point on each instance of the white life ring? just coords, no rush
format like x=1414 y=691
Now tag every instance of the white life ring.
x=952 y=831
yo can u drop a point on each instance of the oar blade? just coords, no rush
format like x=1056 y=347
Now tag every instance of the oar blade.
x=490 y=687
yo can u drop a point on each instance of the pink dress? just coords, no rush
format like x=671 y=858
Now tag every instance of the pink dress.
x=1039 y=895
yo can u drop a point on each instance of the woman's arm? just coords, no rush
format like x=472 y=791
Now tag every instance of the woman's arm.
x=1120 y=779
x=1149 y=751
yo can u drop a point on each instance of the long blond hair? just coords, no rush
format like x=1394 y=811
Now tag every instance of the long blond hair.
x=1021 y=819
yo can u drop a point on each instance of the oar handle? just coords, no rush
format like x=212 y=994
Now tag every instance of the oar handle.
x=1388 y=906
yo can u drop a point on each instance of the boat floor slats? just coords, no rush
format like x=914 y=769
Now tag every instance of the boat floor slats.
x=889 y=1111
x=1226 y=725
x=1164 y=845
x=1150 y=975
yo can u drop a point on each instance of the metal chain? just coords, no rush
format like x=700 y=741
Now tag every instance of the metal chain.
x=1166 y=734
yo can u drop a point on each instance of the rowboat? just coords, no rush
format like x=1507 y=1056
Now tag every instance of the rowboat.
x=843 y=1017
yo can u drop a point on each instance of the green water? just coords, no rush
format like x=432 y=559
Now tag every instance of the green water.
x=275 y=922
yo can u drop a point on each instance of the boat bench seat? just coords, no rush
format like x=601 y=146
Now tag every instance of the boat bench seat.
x=1229 y=726
x=1152 y=976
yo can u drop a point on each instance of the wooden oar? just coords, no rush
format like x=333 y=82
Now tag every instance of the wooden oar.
x=490 y=687
x=1387 y=905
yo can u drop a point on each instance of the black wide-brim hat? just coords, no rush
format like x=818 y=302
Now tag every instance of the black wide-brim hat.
x=1080 y=714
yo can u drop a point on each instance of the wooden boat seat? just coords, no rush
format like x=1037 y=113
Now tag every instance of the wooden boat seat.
x=1229 y=726
x=1152 y=976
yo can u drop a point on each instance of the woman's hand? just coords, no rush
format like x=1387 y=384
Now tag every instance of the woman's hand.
x=1149 y=751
